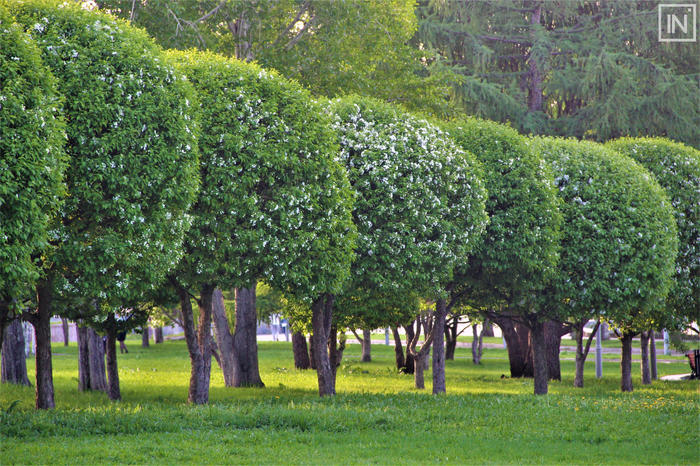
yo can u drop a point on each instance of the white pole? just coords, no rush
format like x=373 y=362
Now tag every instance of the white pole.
x=504 y=343
x=386 y=336
x=667 y=349
x=599 y=352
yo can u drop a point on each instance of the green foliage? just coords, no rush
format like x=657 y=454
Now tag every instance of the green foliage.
x=419 y=207
x=677 y=169
x=618 y=239
x=31 y=157
x=333 y=48
x=132 y=150
x=519 y=253
x=274 y=204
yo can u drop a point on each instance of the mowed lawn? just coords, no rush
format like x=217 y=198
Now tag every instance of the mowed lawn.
x=377 y=417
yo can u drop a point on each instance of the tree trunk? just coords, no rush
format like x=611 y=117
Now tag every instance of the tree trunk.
x=552 y=334
x=42 y=330
x=476 y=345
x=398 y=349
x=535 y=92
x=335 y=350
x=652 y=355
x=626 y=362
x=66 y=331
x=113 y=391
x=83 y=358
x=580 y=356
x=145 y=337
x=245 y=343
x=539 y=355
x=419 y=364
x=451 y=338
x=158 y=334
x=96 y=361
x=366 y=345
x=518 y=342
x=14 y=363
x=409 y=364
x=224 y=339
x=321 y=321
x=439 y=347
x=487 y=328
x=301 y=351
x=646 y=372
x=312 y=352
x=197 y=345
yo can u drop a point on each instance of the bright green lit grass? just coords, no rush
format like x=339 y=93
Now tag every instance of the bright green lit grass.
x=376 y=418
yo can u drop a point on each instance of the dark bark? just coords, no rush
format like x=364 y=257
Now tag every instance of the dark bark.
x=145 y=343
x=409 y=364
x=312 y=352
x=582 y=353
x=14 y=363
x=652 y=355
x=321 y=322
x=336 y=347
x=626 y=362
x=245 y=344
x=113 y=391
x=535 y=92
x=477 y=341
x=419 y=363
x=83 y=358
x=66 y=331
x=96 y=362
x=158 y=331
x=451 y=338
x=646 y=372
x=224 y=338
x=539 y=355
x=518 y=342
x=366 y=346
x=439 y=318
x=552 y=334
x=42 y=330
x=199 y=377
x=301 y=351
x=398 y=349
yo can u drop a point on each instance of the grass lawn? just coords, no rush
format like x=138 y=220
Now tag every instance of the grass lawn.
x=377 y=416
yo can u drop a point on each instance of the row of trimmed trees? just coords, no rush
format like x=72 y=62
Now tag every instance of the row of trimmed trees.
x=138 y=178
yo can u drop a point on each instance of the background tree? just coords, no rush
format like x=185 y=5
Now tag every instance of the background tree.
x=419 y=207
x=588 y=69
x=332 y=48
x=519 y=252
x=132 y=170
x=618 y=246
x=274 y=206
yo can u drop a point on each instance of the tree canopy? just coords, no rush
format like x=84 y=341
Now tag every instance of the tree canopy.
x=32 y=159
x=677 y=169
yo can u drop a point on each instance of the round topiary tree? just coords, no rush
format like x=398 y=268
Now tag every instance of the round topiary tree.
x=419 y=208
x=274 y=206
x=618 y=241
x=520 y=250
x=133 y=164
x=677 y=169
x=31 y=166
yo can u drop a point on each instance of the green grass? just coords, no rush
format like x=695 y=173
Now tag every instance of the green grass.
x=377 y=416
